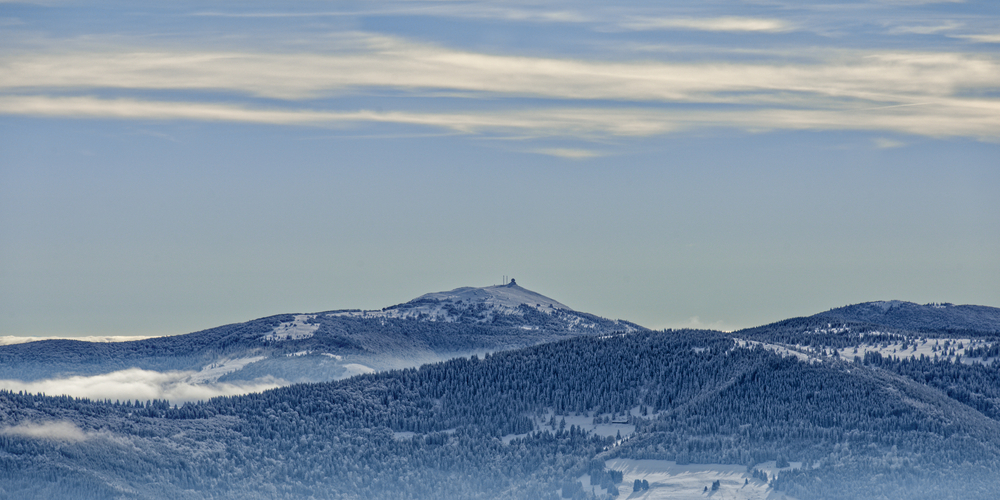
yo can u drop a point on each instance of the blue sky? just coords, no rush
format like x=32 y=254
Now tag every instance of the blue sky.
x=171 y=167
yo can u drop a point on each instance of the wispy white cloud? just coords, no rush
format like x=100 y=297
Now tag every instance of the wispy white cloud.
x=948 y=118
x=138 y=384
x=927 y=29
x=734 y=24
x=264 y=15
x=395 y=64
x=446 y=9
x=53 y=430
x=917 y=2
x=576 y=122
x=535 y=14
x=945 y=118
x=884 y=143
x=987 y=38
x=501 y=12
x=569 y=153
x=828 y=91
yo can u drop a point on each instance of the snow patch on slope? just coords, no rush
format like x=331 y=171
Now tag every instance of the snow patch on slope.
x=779 y=349
x=212 y=372
x=294 y=330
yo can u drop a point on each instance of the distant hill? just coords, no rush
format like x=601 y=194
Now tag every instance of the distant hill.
x=922 y=318
x=884 y=322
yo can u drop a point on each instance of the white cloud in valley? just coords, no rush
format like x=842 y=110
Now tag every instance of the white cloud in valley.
x=51 y=430
x=137 y=384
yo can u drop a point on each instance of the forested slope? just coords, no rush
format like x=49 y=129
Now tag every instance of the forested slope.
x=864 y=431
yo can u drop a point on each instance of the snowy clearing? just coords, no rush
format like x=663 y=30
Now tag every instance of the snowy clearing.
x=941 y=349
x=779 y=349
x=293 y=330
x=667 y=480
x=950 y=350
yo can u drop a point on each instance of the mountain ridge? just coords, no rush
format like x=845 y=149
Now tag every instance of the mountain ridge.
x=926 y=317
x=327 y=345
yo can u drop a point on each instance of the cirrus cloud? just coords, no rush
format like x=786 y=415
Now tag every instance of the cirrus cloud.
x=729 y=23
x=853 y=90
x=388 y=63
x=943 y=118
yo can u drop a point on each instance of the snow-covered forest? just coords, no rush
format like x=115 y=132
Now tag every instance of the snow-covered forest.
x=477 y=428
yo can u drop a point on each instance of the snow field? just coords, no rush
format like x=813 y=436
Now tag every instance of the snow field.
x=944 y=349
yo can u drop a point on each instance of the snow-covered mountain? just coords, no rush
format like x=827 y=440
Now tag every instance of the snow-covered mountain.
x=505 y=297
x=313 y=347
x=492 y=300
x=508 y=304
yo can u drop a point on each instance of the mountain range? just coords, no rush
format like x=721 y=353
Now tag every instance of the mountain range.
x=500 y=392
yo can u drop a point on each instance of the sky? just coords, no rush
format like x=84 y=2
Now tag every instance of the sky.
x=167 y=167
